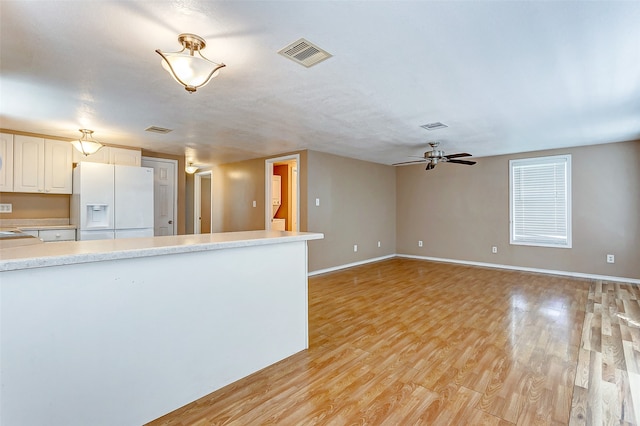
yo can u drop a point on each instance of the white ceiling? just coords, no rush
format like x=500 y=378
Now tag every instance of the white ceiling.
x=504 y=76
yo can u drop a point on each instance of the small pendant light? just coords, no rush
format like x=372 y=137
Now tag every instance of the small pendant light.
x=87 y=145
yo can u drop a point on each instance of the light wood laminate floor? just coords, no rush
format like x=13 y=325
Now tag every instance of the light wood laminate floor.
x=405 y=342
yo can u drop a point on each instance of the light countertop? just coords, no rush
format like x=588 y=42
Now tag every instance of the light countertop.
x=35 y=224
x=72 y=252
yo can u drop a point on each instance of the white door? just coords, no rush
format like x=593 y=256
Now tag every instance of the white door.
x=164 y=194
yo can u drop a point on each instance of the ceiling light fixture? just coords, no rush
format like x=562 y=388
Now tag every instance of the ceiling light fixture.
x=191 y=169
x=188 y=66
x=87 y=145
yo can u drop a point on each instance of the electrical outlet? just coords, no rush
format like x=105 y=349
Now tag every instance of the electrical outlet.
x=420 y=243
x=378 y=243
x=6 y=208
x=254 y=203
x=355 y=248
x=494 y=249
x=611 y=258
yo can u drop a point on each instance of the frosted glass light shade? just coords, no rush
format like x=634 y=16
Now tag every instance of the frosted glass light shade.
x=191 y=169
x=188 y=66
x=87 y=145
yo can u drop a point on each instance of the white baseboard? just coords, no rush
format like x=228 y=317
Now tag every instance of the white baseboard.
x=525 y=269
x=349 y=265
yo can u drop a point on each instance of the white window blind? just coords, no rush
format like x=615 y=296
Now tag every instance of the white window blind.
x=540 y=201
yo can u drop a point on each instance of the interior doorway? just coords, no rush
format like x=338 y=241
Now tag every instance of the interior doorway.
x=282 y=205
x=165 y=194
x=202 y=202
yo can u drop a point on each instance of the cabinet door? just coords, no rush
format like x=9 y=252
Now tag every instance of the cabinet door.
x=276 y=189
x=58 y=169
x=57 y=234
x=102 y=156
x=6 y=162
x=125 y=157
x=28 y=164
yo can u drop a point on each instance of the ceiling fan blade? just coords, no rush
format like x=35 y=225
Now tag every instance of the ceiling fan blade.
x=470 y=163
x=462 y=154
x=408 y=162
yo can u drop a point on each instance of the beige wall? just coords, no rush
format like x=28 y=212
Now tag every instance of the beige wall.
x=460 y=212
x=189 y=194
x=236 y=185
x=239 y=185
x=357 y=206
x=36 y=206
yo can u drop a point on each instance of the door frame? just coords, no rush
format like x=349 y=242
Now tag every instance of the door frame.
x=175 y=187
x=268 y=172
x=197 y=199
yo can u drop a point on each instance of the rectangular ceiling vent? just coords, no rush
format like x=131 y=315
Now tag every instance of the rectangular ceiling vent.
x=156 y=129
x=305 y=53
x=434 y=126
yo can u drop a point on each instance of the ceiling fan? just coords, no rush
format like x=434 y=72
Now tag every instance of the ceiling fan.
x=435 y=156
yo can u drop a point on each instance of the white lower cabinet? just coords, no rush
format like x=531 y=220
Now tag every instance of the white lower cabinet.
x=48 y=235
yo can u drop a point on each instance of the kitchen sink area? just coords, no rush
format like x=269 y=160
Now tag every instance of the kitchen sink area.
x=16 y=238
x=20 y=232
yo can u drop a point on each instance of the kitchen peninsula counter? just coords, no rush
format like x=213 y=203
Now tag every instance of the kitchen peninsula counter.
x=72 y=252
x=124 y=331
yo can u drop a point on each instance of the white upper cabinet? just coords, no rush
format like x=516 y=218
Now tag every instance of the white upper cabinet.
x=58 y=167
x=111 y=155
x=28 y=164
x=125 y=157
x=41 y=165
x=6 y=162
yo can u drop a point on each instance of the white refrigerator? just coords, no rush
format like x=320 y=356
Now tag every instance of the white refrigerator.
x=111 y=201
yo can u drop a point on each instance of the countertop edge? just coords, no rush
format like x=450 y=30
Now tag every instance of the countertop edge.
x=106 y=250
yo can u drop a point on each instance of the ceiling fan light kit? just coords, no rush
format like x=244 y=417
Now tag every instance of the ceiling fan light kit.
x=435 y=156
x=188 y=66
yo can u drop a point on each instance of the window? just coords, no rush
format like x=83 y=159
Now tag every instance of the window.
x=540 y=201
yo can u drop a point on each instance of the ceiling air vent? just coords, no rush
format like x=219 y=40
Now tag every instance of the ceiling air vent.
x=434 y=126
x=156 y=129
x=305 y=53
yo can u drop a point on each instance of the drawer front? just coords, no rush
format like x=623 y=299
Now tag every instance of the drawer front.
x=57 y=235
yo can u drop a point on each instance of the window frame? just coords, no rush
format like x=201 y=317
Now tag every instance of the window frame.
x=537 y=161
